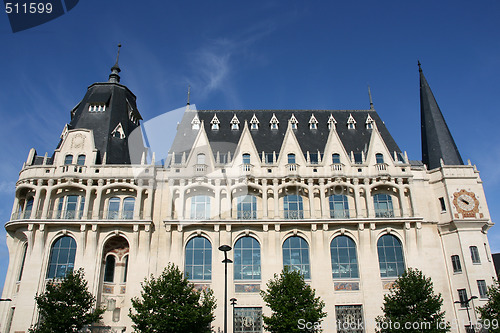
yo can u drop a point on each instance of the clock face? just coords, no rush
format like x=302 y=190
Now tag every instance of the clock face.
x=466 y=203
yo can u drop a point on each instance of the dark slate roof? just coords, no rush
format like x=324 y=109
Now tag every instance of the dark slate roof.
x=269 y=140
x=118 y=100
x=437 y=142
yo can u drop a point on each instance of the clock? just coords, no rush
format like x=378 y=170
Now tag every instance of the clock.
x=466 y=203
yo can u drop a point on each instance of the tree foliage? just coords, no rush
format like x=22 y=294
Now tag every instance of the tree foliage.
x=291 y=300
x=412 y=306
x=66 y=305
x=490 y=312
x=170 y=303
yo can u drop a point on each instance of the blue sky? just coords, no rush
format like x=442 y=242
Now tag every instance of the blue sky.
x=253 y=55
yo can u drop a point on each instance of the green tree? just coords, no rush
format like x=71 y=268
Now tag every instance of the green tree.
x=66 y=305
x=490 y=312
x=294 y=304
x=170 y=303
x=412 y=306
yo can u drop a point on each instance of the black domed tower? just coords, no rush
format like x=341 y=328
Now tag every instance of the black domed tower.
x=109 y=109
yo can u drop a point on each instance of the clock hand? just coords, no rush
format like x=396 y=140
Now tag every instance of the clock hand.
x=465 y=201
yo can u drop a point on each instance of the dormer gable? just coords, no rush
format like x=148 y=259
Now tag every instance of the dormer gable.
x=351 y=123
x=313 y=122
x=370 y=123
x=331 y=122
x=195 y=123
x=215 y=122
x=235 y=123
x=118 y=132
x=254 y=122
x=293 y=121
x=274 y=122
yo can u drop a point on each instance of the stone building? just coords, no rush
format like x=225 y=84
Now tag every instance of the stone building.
x=327 y=192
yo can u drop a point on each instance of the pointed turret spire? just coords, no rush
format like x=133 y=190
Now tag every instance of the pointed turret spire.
x=189 y=93
x=437 y=142
x=371 y=101
x=115 y=70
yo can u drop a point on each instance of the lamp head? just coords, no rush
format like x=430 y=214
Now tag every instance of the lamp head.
x=224 y=248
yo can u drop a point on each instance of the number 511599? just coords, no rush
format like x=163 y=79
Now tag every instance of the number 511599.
x=28 y=8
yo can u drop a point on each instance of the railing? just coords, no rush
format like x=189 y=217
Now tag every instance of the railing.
x=337 y=166
x=247 y=215
x=340 y=214
x=384 y=213
x=119 y=215
x=246 y=167
x=291 y=214
x=73 y=168
x=292 y=167
x=381 y=166
x=200 y=168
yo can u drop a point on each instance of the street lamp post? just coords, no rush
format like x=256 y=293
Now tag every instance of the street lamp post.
x=233 y=303
x=225 y=249
x=466 y=302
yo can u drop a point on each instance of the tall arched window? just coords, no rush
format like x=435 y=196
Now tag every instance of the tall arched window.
x=344 y=258
x=68 y=159
x=114 y=208
x=128 y=208
x=293 y=207
x=339 y=206
x=390 y=256
x=383 y=205
x=335 y=158
x=62 y=257
x=379 y=158
x=28 y=208
x=70 y=207
x=198 y=263
x=200 y=159
x=25 y=251
x=246 y=158
x=247 y=207
x=247 y=259
x=200 y=207
x=80 y=160
x=109 y=269
x=291 y=158
x=296 y=255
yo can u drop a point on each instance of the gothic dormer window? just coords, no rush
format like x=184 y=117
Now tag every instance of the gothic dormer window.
x=235 y=123
x=97 y=107
x=215 y=122
x=118 y=132
x=351 y=123
x=313 y=122
x=293 y=121
x=254 y=122
x=370 y=123
x=195 y=123
x=331 y=122
x=274 y=122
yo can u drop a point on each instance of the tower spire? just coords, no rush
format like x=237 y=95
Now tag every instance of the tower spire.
x=115 y=70
x=437 y=142
x=371 y=101
x=189 y=93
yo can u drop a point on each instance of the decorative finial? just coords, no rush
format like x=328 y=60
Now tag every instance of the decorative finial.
x=371 y=101
x=189 y=93
x=114 y=77
x=419 y=66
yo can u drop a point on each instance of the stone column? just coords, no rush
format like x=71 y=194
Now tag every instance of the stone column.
x=48 y=198
x=88 y=193
x=97 y=202
x=36 y=199
x=323 y=200
x=276 y=199
x=264 y=199
x=310 y=189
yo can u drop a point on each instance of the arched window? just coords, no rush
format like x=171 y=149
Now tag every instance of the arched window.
x=28 y=208
x=81 y=160
x=68 y=159
x=291 y=158
x=247 y=207
x=379 y=158
x=246 y=158
x=383 y=205
x=198 y=264
x=247 y=259
x=344 y=258
x=293 y=207
x=390 y=256
x=296 y=255
x=200 y=159
x=200 y=207
x=70 y=207
x=339 y=206
x=128 y=208
x=336 y=158
x=114 y=208
x=62 y=257
x=109 y=269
